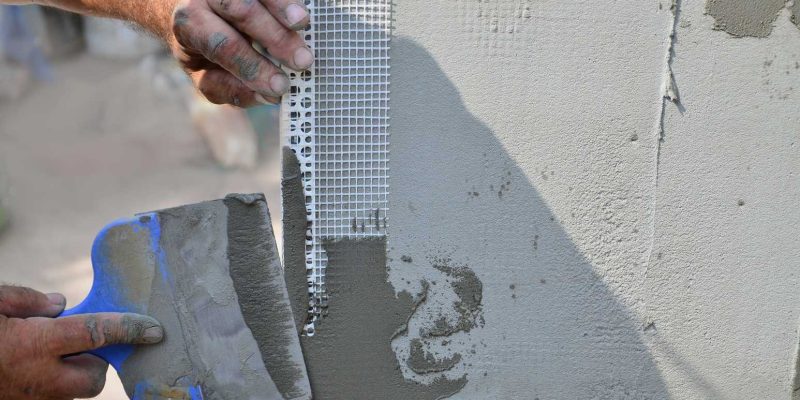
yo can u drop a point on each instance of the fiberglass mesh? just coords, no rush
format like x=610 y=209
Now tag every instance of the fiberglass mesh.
x=337 y=118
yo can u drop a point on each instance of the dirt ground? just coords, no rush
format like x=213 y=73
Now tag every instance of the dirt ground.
x=102 y=142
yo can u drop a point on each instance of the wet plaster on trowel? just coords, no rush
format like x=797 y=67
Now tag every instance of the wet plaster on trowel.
x=294 y=237
x=207 y=342
x=258 y=278
x=350 y=355
x=745 y=17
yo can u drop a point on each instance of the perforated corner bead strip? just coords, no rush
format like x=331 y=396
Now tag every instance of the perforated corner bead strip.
x=336 y=120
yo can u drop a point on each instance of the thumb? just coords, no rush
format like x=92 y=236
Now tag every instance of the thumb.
x=22 y=302
x=79 y=333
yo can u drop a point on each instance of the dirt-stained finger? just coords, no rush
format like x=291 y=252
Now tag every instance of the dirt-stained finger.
x=254 y=20
x=292 y=14
x=80 y=376
x=220 y=87
x=22 y=302
x=79 y=333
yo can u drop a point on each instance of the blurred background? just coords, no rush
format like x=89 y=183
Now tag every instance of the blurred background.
x=97 y=122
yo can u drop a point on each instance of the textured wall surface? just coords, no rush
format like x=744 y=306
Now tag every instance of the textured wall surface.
x=599 y=199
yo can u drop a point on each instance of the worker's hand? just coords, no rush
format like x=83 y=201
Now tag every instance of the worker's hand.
x=37 y=351
x=213 y=41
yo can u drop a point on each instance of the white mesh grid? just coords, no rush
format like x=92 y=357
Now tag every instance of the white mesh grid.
x=337 y=119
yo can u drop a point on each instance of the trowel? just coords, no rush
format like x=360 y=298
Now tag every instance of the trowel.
x=210 y=273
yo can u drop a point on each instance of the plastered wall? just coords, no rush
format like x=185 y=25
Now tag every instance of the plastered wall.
x=621 y=177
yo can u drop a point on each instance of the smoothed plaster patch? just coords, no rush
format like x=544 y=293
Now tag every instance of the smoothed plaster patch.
x=350 y=355
x=742 y=18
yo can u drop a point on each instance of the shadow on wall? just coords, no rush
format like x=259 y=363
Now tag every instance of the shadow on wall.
x=553 y=329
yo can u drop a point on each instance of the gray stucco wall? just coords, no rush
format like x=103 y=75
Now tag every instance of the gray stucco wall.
x=628 y=245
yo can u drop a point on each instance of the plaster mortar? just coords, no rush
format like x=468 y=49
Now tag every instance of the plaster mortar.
x=294 y=237
x=350 y=355
x=616 y=234
x=745 y=17
x=652 y=246
x=260 y=287
x=459 y=130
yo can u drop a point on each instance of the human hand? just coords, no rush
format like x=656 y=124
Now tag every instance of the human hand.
x=213 y=42
x=39 y=354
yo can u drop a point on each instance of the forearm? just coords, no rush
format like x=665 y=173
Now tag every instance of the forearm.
x=152 y=15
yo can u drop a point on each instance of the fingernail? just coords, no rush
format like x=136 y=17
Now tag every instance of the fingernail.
x=295 y=14
x=262 y=100
x=57 y=302
x=57 y=299
x=303 y=58
x=279 y=83
x=152 y=335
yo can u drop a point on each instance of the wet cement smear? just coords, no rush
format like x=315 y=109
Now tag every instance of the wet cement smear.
x=745 y=17
x=257 y=276
x=350 y=355
x=469 y=291
x=424 y=362
x=294 y=237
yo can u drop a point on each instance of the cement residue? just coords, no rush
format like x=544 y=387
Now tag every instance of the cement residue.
x=91 y=326
x=350 y=355
x=795 y=10
x=423 y=362
x=138 y=277
x=294 y=237
x=745 y=17
x=257 y=275
x=469 y=292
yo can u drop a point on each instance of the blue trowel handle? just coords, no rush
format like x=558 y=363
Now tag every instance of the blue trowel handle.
x=115 y=289
x=109 y=292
